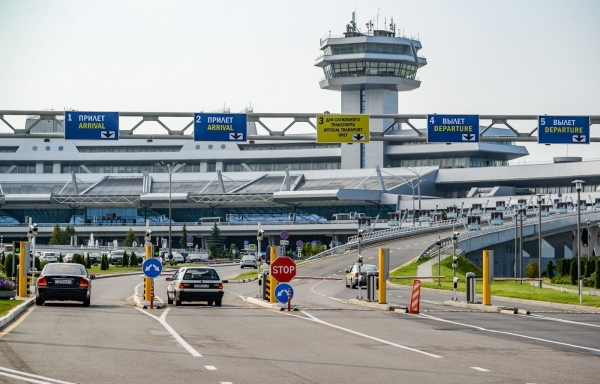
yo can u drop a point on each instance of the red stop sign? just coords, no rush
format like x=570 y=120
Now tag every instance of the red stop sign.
x=283 y=269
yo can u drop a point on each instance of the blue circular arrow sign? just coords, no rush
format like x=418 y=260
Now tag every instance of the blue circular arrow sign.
x=152 y=268
x=281 y=292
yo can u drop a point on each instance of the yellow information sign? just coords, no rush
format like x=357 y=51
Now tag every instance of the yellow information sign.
x=342 y=128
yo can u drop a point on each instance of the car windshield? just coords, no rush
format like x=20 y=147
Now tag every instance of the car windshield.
x=52 y=254
x=64 y=269
x=248 y=258
x=368 y=268
x=201 y=274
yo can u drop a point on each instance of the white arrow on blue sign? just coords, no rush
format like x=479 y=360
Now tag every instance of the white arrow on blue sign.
x=91 y=125
x=152 y=268
x=281 y=292
x=220 y=126
x=563 y=129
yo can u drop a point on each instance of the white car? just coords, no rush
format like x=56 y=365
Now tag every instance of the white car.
x=249 y=261
x=178 y=257
x=51 y=257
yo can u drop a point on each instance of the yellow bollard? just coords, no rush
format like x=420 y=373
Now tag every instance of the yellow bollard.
x=382 y=292
x=272 y=281
x=22 y=273
x=487 y=297
x=147 y=280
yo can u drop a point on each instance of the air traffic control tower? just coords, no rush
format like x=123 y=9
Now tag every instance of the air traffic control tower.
x=369 y=69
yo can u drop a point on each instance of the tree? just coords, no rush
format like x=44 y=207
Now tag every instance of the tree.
x=133 y=261
x=532 y=270
x=130 y=238
x=67 y=234
x=104 y=262
x=215 y=238
x=125 y=260
x=592 y=266
x=8 y=265
x=88 y=262
x=214 y=252
x=183 y=238
x=597 y=279
x=55 y=236
x=232 y=248
x=550 y=270
x=573 y=272
x=588 y=268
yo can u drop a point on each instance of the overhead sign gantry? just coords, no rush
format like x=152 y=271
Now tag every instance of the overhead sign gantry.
x=342 y=128
x=452 y=128
x=91 y=125
x=563 y=129
x=220 y=127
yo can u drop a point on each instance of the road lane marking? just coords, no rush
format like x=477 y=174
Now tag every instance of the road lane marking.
x=369 y=337
x=16 y=323
x=480 y=369
x=561 y=320
x=13 y=373
x=509 y=333
x=430 y=302
x=210 y=367
x=163 y=321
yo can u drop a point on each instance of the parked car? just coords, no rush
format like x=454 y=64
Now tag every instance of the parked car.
x=95 y=257
x=51 y=257
x=249 y=261
x=64 y=282
x=178 y=257
x=68 y=257
x=352 y=279
x=197 y=258
x=195 y=284
x=116 y=257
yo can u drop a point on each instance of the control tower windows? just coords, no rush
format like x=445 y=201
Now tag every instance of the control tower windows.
x=391 y=49
x=371 y=68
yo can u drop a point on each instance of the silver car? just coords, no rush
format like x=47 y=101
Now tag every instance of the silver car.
x=195 y=284
x=249 y=261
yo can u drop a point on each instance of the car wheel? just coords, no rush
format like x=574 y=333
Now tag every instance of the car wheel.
x=241 y=267
x=177 y=302
x=169 y=301
x=218 y=303
x=347 y=283
x=210 y=303
x=39 y=301
x=86 y=302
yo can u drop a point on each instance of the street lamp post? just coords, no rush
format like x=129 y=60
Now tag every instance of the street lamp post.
x=454 y=263
x=539 y=201
x=439 y=244
x=589 y=243
x=170 y=169
x=516 y=212
x=578 y=187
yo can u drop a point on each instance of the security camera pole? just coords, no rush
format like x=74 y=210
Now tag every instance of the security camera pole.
x=148 y=246
x=454 y=264
x=31 y=234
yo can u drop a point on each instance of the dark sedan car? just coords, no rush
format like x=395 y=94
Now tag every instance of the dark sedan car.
x=64 y=282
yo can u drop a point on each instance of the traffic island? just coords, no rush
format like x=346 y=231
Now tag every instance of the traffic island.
x=139 y=302
x=486 y=308
x=377 y=306
x=263 y=303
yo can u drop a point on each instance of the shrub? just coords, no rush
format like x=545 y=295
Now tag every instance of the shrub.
x=559 y=267
x=43 y=264
x=597 y=279
x=588 y=267
x=2 y=258
x=37 y=266
x=532 y=270
x=550 y=270
x=589 y=281
x=567 y=267
x=574 y=272
x=8 y=264
x=561 y=280
x=7 y=285
x=60 y=258
x=88 y=262
x=104 y=262
x=125 y=260
x=133 y=261
x=173 y=263
x=592 y=266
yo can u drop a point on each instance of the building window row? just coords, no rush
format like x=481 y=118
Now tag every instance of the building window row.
x=141 y=148
x=391 y=49
x=270 y=147
x=451 y=162
x=268 y=167
x=371 y=68
x=133 y=168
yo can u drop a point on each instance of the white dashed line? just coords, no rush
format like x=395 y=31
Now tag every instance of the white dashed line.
x=480 y=369
x=226 y=382
x=211 y=367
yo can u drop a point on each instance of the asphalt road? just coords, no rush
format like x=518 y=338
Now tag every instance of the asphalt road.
x=327 y=340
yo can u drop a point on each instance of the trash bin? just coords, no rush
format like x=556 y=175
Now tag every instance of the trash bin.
x=471 y=287
x=371 y=286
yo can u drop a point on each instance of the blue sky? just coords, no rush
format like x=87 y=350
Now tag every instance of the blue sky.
x=484 y=57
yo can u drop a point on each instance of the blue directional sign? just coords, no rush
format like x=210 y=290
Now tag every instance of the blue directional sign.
x=299 y=243
x=91 y=125
x=452 y=128
x=220 y=127
x=246 y=243
x=152 y=268
x=281 y=292
x=563 y=129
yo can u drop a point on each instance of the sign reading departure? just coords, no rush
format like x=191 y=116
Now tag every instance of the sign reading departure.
x=220 y=127
x=563 y=130
x=342 y=128
x=91 y=125
x=452 y=128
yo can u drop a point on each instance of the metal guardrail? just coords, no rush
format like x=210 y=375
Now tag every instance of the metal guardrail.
x=385 y=235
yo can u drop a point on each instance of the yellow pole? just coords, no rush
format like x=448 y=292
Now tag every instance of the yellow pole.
x=382 y=293
x=22 y=274
x=487 y=299
x=272 y=281
x=147 y=280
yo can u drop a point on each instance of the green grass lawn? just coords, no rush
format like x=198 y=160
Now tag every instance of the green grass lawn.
x=249 y=275
x=95 y=270
x=7 y=305
x=498 y=288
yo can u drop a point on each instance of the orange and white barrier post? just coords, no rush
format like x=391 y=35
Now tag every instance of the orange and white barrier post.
x=415 y=298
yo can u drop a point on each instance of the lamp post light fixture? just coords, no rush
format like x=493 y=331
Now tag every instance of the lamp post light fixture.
x=578 y=188
x=170 y=169
x=539 y=201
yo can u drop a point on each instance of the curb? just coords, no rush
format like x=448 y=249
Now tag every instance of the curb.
x=240 y=281
x=146 y=304
x=15 y=312
x=262 y=303
x=374 y=305
x=481 y=307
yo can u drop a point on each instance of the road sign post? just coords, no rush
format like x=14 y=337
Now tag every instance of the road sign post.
x=91 y=125
x=342 y=128
x=563 y=129
x=283 y=269
x=220 y=127
x=284 y=293
x=452 y=128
